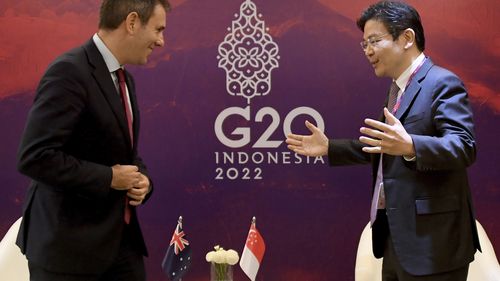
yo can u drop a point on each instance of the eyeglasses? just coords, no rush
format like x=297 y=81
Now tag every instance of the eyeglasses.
x=372 y=41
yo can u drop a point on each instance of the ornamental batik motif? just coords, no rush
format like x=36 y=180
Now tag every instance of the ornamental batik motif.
x=248 y=54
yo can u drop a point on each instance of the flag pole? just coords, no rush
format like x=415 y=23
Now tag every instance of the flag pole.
x=179 y=221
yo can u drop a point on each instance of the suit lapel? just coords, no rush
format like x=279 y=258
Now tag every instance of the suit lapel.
x=413 y=88
x=409 y=95
x=103 y=78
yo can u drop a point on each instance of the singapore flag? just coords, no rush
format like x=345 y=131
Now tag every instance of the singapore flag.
x=253 y=252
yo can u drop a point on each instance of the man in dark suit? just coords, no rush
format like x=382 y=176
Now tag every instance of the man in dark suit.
x=79 y=148
x=422 y=215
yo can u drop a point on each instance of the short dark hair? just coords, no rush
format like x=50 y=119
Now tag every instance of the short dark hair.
x=114 y=12
x=396 y=17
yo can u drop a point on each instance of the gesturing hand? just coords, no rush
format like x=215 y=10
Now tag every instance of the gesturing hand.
x=390 y=138
x=315 y=144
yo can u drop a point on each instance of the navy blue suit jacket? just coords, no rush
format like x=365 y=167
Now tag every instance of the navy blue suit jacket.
x=428 y=202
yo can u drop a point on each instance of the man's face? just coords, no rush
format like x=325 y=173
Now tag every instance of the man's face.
x=148 y=36
x=384 y=54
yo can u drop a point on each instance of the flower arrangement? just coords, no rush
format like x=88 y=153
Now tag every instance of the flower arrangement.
x=221 y=263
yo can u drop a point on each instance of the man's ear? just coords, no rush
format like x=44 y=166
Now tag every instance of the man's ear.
x=409 y=37
x=132 y=22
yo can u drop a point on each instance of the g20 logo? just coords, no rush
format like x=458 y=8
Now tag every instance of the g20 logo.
x=241 y=136
x=248 y=54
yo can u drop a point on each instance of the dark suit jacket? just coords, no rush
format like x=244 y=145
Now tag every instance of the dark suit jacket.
x=76 y=130
x=428 y=202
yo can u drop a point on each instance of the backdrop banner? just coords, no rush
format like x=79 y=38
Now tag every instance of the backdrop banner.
x=234 y=78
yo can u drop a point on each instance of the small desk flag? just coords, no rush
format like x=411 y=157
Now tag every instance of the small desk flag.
x=253 y=252
x=178 y=257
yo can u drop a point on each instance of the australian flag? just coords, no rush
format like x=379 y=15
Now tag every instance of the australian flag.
x=178 y=257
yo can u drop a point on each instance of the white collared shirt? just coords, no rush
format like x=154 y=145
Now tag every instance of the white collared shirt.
x=405 y=76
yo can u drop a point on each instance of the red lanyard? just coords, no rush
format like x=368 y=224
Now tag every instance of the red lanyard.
x=398 y=102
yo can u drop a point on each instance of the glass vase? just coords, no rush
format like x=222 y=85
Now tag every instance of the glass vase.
x=221 y=272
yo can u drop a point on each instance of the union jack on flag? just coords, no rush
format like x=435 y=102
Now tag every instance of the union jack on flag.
x=178 y=240
x=178 y=257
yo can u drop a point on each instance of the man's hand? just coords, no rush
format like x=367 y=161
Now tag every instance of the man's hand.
x=139 y=191
x=125 y=177
x=315 y=144
x=390 y=138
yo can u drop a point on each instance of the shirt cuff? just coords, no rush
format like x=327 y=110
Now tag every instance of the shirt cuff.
x=410 y=159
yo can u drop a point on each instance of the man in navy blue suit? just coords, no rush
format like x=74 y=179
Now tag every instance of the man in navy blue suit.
x=423 y=221
x=79 y=148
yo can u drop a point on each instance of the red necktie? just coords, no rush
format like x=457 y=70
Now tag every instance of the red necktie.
x=126 y=102
x=126 y=105
x=393 y=96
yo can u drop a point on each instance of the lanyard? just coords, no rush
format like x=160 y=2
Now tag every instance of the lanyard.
x=398 y=102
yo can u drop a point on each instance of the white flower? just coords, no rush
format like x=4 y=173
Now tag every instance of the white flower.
x=222 y=256
x=232 y=257
x=210 y=256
